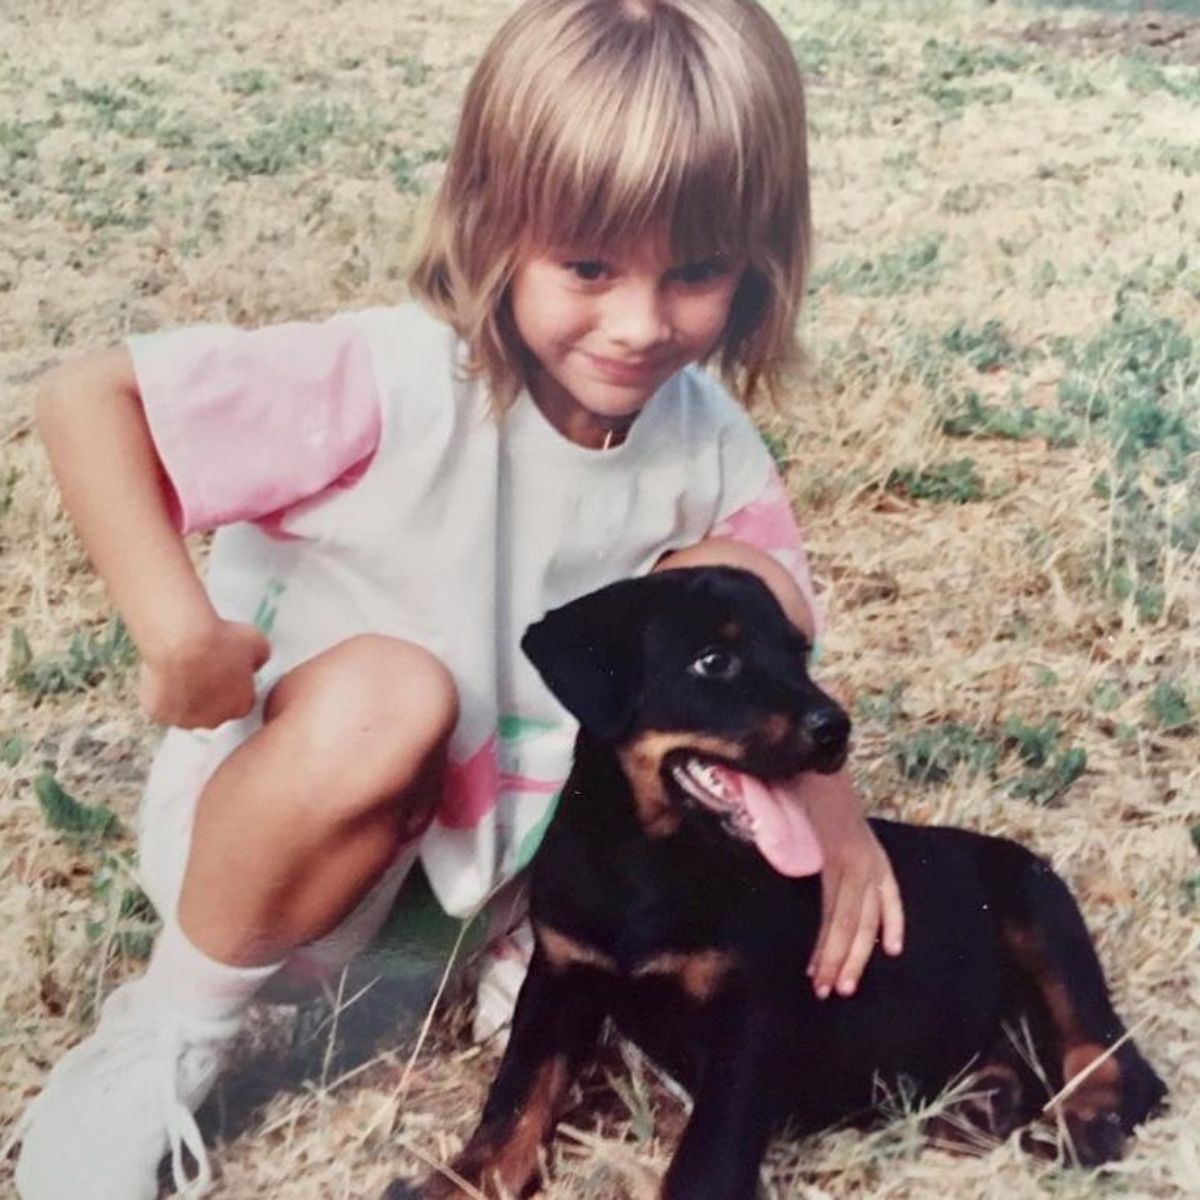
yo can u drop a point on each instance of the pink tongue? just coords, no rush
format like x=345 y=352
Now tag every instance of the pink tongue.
x=782 y=831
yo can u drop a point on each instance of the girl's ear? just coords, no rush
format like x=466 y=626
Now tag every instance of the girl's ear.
x=589 y=654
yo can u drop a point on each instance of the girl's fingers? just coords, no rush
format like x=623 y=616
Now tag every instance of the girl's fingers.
x=840 y=927
x=864 y=942
x=829 y=888
x=893 y=914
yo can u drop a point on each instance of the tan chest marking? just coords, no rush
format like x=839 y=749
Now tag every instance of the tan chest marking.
x=562 y=951
x=642 y=758
x=699 y=973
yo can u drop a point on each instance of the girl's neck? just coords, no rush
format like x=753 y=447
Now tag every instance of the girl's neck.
x=593 y=431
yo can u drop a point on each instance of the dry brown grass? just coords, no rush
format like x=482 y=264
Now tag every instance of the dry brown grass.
x=253 y=163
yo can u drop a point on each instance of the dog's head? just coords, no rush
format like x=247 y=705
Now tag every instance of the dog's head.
x=698 y=682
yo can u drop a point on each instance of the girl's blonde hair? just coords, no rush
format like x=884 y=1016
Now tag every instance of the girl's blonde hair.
x=592 y=123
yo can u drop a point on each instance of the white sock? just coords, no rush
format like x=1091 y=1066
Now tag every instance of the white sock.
x=191 y=983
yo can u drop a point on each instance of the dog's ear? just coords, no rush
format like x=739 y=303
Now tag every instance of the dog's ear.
x=589 y=654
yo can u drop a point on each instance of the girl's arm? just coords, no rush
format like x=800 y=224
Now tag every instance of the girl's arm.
x=860 y=899
x=197 y=670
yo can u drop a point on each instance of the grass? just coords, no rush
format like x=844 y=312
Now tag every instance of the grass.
x=90 y=657
x=994 y=454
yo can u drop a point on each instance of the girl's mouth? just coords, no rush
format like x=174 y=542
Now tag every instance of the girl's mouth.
x=616 y=370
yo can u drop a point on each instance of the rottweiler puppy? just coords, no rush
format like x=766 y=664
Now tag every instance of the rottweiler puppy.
x=673 y=893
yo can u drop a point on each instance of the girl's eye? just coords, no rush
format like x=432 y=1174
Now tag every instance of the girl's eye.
x=717 y=662
x=702 y=271
x=589 y=270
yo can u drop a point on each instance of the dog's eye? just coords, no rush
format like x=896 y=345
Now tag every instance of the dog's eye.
x=716 y=663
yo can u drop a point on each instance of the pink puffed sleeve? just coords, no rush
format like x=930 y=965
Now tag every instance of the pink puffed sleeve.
x=248 y=422
x=768 y=523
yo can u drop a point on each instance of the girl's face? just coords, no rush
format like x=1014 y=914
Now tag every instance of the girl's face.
x=609 y=328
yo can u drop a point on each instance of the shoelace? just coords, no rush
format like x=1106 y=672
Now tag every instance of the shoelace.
x=182 y=1130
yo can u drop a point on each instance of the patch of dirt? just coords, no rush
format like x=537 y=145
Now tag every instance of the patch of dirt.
x=1161 y=37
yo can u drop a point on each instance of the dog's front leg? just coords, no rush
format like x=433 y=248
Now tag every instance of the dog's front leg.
x=741 y=1096
x=557 y=1021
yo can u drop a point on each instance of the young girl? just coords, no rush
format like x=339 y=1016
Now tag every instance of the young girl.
x=400 y=492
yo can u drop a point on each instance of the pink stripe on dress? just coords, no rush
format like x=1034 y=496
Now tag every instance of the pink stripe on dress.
x=768 y=524
x=471 y=789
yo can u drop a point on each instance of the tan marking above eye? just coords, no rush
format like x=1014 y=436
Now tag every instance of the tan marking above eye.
x=562 y=951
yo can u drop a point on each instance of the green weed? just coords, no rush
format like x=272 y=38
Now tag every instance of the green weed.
x=1143 y=76
x=8 y=487
x=130 y=922
x=90 y=658
x=18 y=155
x=1069 y=81
x=777 y=447
x=99 y=197
x=12 y=749
x=985 y=348
x=107 y=107
x=1047 y=785
x=932 y=755
x=917 y=264
x=282 y=142
x=947 y=64
x=404 y=165
x=1047 y=769
x=954 y=482
x=1137 y=384
x=953 y=60
x=1034 y=744
x=65 y=814
x=1169 y=708
x=1153 y=279
x=249 y=81
x=967 y=415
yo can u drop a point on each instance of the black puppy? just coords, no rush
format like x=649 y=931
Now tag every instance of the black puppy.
x=661 y=897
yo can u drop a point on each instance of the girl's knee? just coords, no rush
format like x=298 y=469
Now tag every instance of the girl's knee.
x=373 y=712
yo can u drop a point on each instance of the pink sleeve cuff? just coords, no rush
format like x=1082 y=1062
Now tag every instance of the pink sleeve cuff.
x=768 y=524
x=247 y=423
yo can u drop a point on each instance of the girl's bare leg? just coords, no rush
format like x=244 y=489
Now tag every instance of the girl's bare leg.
x=296 y=826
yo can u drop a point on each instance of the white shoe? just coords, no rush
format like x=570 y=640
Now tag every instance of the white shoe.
x=119 y=1101
x=505 y=964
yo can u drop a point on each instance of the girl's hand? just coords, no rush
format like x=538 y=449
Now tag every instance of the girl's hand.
x=205 y=679
x=860 y=900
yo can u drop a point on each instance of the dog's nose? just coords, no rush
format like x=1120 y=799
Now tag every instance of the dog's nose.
x=828 y=730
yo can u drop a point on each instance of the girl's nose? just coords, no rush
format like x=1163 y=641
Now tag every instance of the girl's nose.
x=637 y=318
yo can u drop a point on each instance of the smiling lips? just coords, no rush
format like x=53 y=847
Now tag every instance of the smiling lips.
x=616 y=370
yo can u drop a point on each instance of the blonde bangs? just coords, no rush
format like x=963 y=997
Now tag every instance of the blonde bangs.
x=590 y=124
x=629 y=151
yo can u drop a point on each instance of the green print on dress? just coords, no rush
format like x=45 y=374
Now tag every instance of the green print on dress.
x=268 y=607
